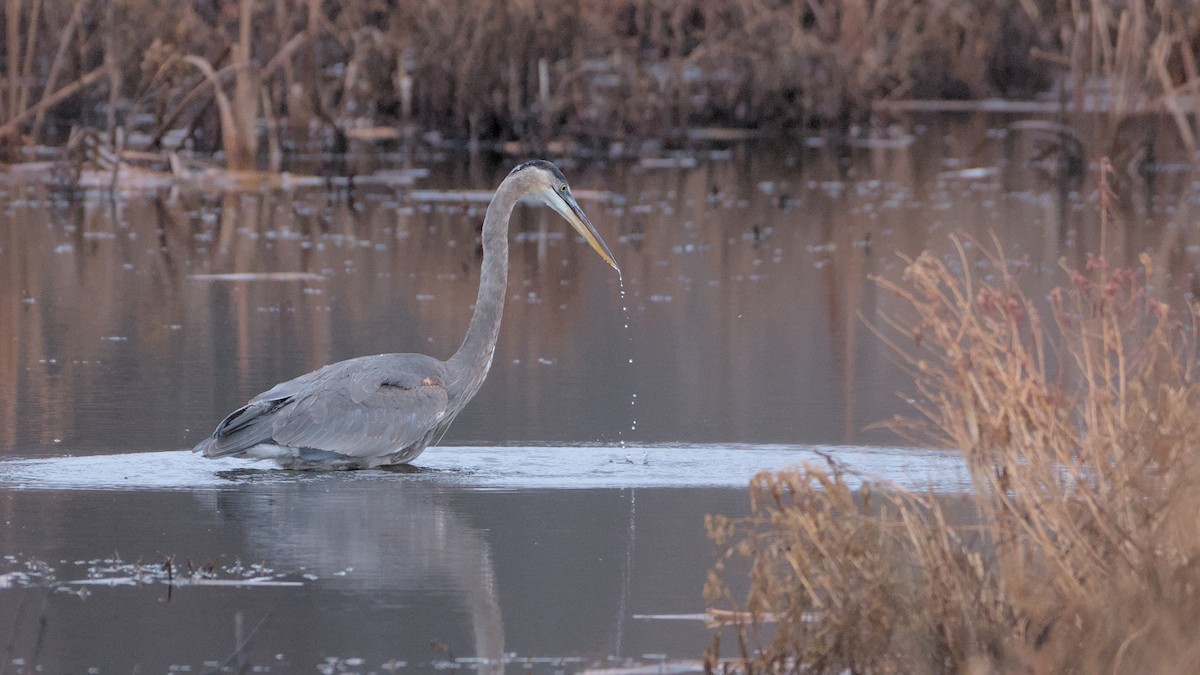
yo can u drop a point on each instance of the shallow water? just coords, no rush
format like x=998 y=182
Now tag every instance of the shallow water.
x=538 y=557
x=547 y=521
x=359 y=567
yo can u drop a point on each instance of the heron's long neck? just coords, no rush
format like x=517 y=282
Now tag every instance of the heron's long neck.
x=474 y=357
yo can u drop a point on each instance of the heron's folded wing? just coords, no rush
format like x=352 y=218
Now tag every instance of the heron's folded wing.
x=362 y=416
x=360 y=377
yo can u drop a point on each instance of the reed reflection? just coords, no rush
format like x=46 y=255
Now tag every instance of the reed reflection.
x=746 y=278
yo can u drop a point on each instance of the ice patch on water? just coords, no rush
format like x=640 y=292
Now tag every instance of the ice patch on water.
x=505 y=468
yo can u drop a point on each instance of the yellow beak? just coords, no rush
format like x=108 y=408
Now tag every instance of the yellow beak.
x=568 y=208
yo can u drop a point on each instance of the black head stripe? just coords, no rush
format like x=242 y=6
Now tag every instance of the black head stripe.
x=543 y=165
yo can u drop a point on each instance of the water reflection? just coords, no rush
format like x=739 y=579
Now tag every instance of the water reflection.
x=747 y=282
x=401 y=542
x=384 y=577
x=747 y=279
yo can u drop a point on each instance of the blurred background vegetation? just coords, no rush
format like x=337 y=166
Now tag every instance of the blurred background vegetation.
x=255 y=78
x=1077 y=427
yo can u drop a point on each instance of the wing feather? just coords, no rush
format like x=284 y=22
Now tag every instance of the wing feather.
x=364 y=407
x=390 y=419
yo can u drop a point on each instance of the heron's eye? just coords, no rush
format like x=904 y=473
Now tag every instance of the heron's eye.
x=563 y=188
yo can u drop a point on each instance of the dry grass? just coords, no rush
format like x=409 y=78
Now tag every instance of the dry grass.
x=600 y=71
x=1129 y=62
x=1077 y=419
x=863 y=582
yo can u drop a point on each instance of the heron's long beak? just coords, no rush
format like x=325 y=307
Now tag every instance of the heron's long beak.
x=569 y=209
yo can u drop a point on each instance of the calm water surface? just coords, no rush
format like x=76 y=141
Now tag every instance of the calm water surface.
x=130 y=323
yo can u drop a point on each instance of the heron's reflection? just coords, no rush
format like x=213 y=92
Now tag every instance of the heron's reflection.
x=370 y=532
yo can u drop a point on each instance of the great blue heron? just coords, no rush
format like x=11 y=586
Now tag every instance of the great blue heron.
x=386 y=409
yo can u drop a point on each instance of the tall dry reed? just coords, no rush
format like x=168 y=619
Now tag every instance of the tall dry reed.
x=1129 y=62
x=1076 y=417
x=492 y=69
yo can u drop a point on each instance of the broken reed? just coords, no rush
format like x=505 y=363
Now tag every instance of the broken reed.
x=1077 y=420
x=602 y=71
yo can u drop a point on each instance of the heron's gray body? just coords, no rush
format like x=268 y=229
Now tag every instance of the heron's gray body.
x=386 y=409
x=364 y=412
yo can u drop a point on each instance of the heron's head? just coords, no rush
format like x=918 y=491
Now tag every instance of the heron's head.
x=543 y=181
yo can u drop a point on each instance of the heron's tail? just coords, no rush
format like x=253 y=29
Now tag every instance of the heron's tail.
x=243 y=429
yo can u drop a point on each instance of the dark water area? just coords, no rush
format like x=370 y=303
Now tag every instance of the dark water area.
x=414 y=574
x=132 y=322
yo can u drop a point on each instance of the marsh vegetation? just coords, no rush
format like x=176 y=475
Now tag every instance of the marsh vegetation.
x=253 y=80
x=1075 y=415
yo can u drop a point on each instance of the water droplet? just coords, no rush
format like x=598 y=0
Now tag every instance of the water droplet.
x=629 y=342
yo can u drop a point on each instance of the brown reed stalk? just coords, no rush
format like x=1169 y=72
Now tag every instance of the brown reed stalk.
x=1142 y=54
x=12 y=22
x=65 y=38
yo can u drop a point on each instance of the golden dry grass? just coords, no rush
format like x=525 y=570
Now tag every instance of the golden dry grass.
x=1076 y=417
x=601 y=71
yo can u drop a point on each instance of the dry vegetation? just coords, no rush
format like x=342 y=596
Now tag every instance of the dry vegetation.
x=239 y=75
x=1077 y=419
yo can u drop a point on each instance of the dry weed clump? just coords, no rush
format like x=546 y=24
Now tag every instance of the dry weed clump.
x=1077 y=419
x=842 y=581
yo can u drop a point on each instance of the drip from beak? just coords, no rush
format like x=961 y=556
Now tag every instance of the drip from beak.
x=568 y=208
